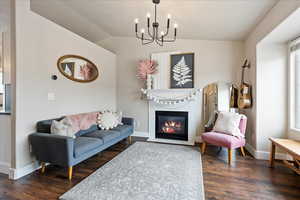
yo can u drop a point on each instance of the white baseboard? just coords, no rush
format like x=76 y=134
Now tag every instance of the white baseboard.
x=166 y=141
x=140 y=134
x=4 y=168
x=265 y=155
x=15 y=174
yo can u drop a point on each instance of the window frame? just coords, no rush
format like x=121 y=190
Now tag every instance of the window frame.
x=292 y=88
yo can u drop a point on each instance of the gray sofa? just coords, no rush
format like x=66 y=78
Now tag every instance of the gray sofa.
x=67 y=151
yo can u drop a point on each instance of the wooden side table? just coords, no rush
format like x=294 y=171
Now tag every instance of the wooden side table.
x=291 y=147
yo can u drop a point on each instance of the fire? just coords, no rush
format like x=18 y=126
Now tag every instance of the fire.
x=171 y=127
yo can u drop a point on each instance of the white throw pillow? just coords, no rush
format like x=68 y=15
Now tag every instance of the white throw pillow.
x=62 y=127
x=109 y=119
x=228 y=123
x=120 y=116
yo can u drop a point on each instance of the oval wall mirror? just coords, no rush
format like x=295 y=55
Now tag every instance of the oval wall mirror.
x=77 y=68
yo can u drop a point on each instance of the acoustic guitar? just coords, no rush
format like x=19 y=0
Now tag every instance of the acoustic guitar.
x=245 y=90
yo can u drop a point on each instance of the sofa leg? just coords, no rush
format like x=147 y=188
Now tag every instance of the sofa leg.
x=203 y=147
x=129 y=139
x=229 y=156
x=243 y=152
x=43 y=167
x=70 y=172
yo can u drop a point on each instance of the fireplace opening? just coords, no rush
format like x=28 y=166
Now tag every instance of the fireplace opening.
x=171 y=125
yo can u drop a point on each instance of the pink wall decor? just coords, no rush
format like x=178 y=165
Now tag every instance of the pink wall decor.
x=146 y=67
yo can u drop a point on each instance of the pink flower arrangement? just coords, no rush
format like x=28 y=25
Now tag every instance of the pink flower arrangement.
x=86 y=71
x=146 y=67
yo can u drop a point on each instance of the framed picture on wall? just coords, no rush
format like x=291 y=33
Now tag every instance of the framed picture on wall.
x=182 y=70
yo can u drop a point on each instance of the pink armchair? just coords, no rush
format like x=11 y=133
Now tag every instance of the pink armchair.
x=227 y=141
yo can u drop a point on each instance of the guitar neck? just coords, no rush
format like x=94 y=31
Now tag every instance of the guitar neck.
x=243 y=75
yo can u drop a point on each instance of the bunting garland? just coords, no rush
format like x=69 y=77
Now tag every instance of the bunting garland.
x=171 y=101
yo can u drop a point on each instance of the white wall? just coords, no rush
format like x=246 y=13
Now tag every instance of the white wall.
x=276 y=16
x=39 y=43
x=5 y=140
x=273 y=93
x=214 y=61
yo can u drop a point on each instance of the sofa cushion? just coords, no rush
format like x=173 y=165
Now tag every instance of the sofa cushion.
x=45 y=125
x=85 y=144
x=105 y=135
x=63 y=128
x=124 y=129
x=220 y=139
x=93 y=128
x=83 y=121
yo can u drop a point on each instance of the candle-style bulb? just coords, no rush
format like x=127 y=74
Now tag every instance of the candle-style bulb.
x=142 y=31
x=136 y=21
x=148 y=20
x=175 y=25
x=162 y=33
x=169 y=16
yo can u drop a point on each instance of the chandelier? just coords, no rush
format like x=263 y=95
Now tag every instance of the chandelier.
x=153 y=33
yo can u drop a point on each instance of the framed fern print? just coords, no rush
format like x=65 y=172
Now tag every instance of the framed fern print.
x=182 y=70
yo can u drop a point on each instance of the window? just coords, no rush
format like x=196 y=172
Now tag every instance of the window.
x=295 y=85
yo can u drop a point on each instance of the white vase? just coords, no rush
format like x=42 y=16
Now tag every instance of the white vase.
x=149 y=82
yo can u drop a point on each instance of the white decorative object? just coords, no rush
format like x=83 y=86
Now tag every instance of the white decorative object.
x=159 y=96
x=149 y=81
x=108 y=120
x=62 y=127
x=193 y=107
x=181 y=73
x=228 y=123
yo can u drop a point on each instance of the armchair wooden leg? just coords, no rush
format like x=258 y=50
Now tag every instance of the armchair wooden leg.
x=229 y=156
x=129 y=139
x=203 y=147
x=43 y=167
x=70 y=172
x=243 y=152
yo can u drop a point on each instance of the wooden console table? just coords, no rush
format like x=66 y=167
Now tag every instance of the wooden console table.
x=291 y=147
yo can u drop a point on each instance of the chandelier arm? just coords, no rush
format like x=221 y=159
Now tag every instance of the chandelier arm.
x=145 y=43
x=167 y=32
x=150 y=33
x=160 y=43
x=170 y=40
x=147 y=39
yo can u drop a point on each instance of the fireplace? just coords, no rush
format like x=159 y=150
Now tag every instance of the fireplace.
x=171 y=125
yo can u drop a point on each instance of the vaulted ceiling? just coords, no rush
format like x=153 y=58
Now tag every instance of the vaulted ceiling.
x=96 y=20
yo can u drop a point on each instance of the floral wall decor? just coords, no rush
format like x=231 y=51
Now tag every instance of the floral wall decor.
x=145 y=70
x=146 y=67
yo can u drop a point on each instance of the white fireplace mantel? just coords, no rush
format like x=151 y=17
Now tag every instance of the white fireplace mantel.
x=194 y=114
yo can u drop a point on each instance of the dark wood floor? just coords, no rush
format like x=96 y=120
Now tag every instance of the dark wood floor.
x=247 y=178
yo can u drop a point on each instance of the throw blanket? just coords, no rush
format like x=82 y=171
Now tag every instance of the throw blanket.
x=83 y=121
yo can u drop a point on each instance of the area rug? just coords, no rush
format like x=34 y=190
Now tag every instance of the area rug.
x=145 y=171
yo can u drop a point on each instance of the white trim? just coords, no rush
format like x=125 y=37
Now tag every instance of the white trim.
x=4 y=167
x=265 y=155
x=15 y=174
x=190 y=143
x=140 y=134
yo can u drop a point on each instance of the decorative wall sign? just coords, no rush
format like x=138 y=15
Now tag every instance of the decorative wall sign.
x=77 y=68
x=182 y=70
